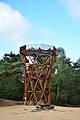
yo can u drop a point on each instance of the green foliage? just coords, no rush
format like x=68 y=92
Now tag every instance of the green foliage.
x=11 y=89
x=11 y=86
x=65 y=79
x=65 y=85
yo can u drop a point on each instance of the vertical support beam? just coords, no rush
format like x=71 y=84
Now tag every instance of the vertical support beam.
x=25 y=95
x=49 y=95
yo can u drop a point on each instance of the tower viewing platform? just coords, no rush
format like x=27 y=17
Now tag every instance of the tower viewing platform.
x=38 y=60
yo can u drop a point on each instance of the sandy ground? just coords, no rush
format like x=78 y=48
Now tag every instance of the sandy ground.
x=14 y=111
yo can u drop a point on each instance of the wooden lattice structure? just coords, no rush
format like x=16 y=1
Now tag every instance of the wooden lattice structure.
x=38 y=61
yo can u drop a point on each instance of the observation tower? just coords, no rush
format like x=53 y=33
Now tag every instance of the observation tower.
x=37 y=60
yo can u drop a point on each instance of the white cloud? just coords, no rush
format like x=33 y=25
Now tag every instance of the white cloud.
x=72 y=7
x=13 y=26
x=45 y=31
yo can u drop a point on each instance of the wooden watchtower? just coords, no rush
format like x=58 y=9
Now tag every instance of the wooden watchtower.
x=38 y=61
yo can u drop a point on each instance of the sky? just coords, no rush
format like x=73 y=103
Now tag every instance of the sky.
x=51 y=22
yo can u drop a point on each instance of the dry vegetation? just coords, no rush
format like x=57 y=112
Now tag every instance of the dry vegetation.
x=11 y=110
